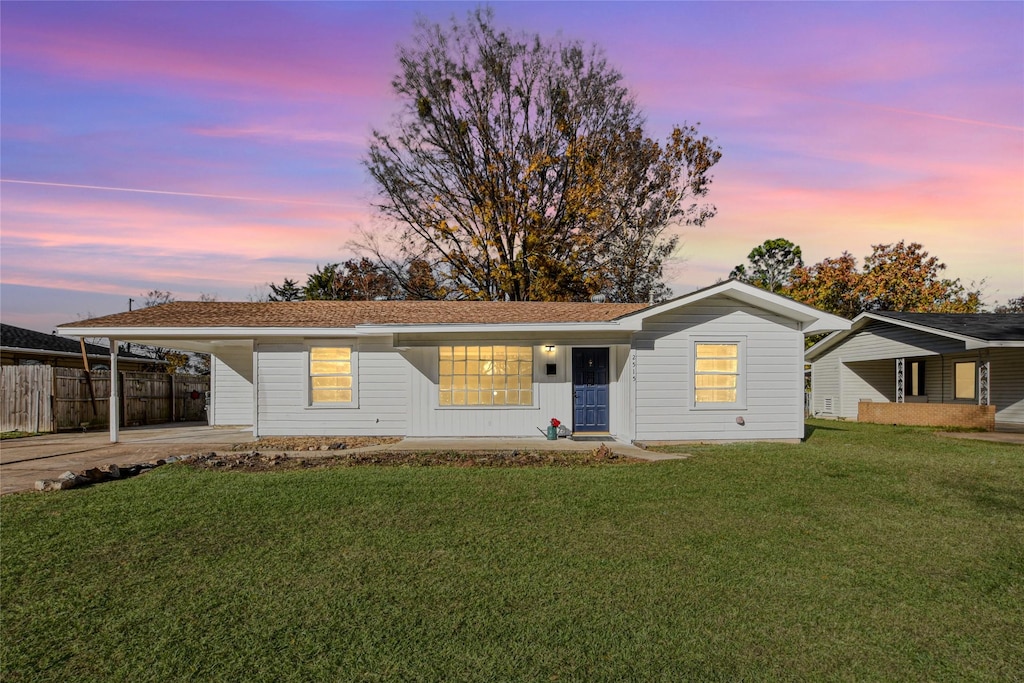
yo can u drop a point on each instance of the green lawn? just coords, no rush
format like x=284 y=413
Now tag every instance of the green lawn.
x=866 y=553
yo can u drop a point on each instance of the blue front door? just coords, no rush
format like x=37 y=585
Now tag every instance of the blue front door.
x=590 y=387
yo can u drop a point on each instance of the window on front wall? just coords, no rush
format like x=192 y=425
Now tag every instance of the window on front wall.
x=330 y=375
x=964 y=380
x=916 y=387
x=716 y=373
x=485 y=376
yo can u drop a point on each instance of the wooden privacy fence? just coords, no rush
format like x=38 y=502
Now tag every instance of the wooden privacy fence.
x=26 y=392
x=40 y=398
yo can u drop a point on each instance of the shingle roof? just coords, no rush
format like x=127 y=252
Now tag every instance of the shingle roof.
x=984 y=326
x=20 y=338
x=344 y=314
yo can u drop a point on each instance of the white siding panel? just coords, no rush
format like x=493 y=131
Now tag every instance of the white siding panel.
x=866 y=381
x=231 y=385
x=825 y=387
x=1007 y=385
x=878 y=340
x=773 y=375
x=283 y=399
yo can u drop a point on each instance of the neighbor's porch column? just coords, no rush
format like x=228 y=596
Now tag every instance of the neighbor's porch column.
x=984 y=398
x=115 y=393
x=901 y=380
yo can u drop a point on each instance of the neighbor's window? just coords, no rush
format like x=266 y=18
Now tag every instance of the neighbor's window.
x=716 y=373
x=916 y=386
x=964 y=381
x=485 y=376
x=330 y=374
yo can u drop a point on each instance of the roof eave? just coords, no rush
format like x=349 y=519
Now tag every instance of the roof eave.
x=144 y=333
x=71 y=354
x=812 y=320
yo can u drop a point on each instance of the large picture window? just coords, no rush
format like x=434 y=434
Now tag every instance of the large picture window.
x=716 y=373
x=485 y=376
x=330 y=375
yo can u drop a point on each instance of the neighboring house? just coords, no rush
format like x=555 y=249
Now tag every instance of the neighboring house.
x=19 y=346
x=723 y=363
x=923 y=368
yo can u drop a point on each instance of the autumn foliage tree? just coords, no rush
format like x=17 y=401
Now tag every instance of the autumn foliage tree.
x=830 y=285
x=894 y=277
x=519 y=169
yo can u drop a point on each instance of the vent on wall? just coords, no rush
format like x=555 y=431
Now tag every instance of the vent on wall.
x=827 y=408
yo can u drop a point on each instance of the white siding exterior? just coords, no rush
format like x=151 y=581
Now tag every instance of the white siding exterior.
x=1007 y=385
x=389 y=383
x=382 y=390
x=772 y=376
x=231 y=385
x=863 y=368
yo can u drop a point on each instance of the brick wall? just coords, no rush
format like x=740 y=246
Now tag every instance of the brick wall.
x=928 y=414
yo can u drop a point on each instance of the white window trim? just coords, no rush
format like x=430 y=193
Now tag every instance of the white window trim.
x=351 y=344
x=741 y=376
x=534 y=378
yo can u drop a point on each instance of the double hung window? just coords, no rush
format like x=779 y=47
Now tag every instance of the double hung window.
x=718 y=368
x=331 y=376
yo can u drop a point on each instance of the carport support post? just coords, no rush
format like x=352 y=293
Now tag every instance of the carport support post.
x=115 y=394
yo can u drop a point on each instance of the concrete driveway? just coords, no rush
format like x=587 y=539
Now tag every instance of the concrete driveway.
x=24 y=461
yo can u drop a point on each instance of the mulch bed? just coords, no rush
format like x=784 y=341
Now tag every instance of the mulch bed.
x=314 y=443
x=257 y=461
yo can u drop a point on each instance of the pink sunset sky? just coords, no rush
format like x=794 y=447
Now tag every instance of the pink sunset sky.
x=214 y=147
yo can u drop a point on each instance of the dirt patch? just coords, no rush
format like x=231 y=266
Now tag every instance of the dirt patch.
x=256 y=461
x=314 y=443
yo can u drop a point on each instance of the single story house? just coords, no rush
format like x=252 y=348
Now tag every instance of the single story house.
x=923 y=368
x=722 y=363
x=20 y=346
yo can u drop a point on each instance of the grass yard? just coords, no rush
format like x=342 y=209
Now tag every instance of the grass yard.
x=866 y=553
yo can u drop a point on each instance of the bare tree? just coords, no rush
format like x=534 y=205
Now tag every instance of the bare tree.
x=519 y=169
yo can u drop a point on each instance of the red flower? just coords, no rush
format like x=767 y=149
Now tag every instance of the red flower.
x=555 y=422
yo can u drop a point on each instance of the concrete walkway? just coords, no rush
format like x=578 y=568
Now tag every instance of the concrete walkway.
x=998 y=437
x=525 y=443
x=24 y=461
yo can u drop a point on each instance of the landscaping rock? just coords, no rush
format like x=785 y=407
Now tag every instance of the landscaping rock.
x=94 y=474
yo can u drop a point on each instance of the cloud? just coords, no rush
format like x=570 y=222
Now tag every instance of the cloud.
x=188 y=46
x=284 y=134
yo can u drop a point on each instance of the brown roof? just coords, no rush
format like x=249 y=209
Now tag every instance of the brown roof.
x=351 y=313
